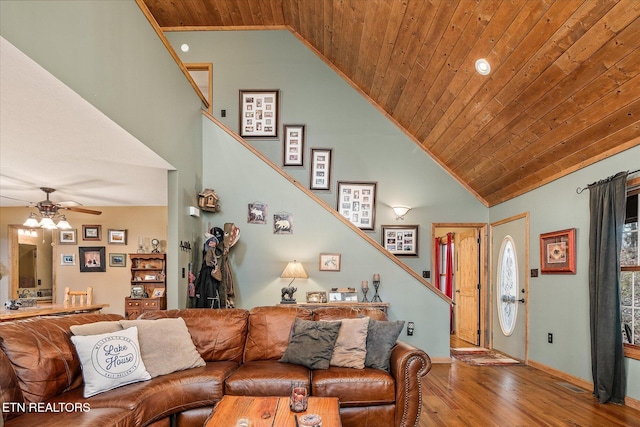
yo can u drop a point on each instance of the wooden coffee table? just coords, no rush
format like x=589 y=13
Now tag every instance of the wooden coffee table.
x=271 y=411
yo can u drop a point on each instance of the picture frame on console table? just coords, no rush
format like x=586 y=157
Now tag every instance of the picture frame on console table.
x=558 y=252
x=293 y=145
x=259 y=113
x=356 y=201
x=400 y=240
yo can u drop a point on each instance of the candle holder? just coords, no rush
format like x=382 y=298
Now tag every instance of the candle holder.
x=376 y=297
x=364 y=292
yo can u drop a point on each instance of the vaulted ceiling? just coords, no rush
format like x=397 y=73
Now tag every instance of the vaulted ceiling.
x=563 y=92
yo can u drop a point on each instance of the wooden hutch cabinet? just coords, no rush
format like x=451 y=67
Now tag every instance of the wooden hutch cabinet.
x=148 y=284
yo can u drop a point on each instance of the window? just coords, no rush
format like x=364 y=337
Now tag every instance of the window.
x=630 y=273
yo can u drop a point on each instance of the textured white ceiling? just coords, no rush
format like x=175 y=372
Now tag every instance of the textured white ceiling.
x=52 y=137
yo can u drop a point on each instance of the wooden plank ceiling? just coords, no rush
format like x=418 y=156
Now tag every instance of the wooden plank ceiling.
x=563 y=92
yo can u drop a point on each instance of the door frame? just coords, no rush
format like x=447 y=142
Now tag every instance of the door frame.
x=483 y=294
x=492 y=295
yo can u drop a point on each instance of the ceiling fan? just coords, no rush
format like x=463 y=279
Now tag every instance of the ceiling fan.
x=48 y=211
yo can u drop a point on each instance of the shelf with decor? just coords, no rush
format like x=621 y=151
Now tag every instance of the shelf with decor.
x=148 y=284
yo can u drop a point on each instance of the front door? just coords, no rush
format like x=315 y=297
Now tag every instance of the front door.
x=509 y=285
x=467 y=284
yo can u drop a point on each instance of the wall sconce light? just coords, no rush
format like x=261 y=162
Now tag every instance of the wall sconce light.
x=400 y=211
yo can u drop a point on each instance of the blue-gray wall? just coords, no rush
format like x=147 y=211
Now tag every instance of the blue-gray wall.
x=109 y=54
x=366 y=147
x=559 y=303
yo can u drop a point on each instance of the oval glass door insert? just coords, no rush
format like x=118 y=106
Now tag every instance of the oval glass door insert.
x=507 y=284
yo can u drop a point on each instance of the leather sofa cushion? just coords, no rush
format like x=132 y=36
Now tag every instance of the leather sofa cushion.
x=265 y=378
x=155 y=399
x=116 y=417
x=269 y=331
x=354 y=387
x=9 y=389
x=43 y=357
x=217 y=334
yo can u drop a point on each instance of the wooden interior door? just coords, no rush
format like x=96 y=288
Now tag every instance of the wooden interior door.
x=467 y=308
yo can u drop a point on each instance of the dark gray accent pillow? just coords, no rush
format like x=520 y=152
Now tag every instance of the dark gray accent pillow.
x=381 y=339
x=311 y=343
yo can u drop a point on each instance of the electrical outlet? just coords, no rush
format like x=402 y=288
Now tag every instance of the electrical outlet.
x=550 y=338
x=410 y=327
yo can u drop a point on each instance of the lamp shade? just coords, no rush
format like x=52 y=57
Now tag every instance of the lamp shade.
x=400 y=211
x=294 y=270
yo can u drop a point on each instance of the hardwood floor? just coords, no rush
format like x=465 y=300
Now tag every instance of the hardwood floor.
x=459 y=394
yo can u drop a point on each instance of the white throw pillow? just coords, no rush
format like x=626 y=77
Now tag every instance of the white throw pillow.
x=110 y=360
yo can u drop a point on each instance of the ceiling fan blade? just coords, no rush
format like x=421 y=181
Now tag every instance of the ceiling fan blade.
x=83 y=210
x=19 y=200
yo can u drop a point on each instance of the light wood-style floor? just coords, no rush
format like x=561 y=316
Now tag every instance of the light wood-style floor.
x=459 y=394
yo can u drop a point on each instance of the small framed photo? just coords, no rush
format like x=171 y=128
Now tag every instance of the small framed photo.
x=316 y=297
x=400 y=240
x=558 y=252
x=68 y=237
x=117 y=237
x=117 y=260
x=293 y=142
x=138 y=291
x=320 y=171
x=356 y=201
x=92 y=232
x=157 y=293
x=92 y=259
x=257 y=213
x=67 y=259
x=150 y=277
x=259 y=113
x=329 y=262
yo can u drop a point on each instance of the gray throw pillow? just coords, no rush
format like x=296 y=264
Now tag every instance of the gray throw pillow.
x=381 y=338
x=311 y=343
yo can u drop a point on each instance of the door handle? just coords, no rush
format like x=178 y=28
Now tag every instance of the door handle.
x=521 y=300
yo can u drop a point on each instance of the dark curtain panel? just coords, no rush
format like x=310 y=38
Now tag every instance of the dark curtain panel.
x=607 y=208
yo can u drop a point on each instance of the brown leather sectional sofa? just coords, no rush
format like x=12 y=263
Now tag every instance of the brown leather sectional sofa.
x=41 y=379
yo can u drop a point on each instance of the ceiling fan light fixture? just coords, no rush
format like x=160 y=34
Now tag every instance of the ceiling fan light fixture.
x=47 y=223
x=32 y=221
x=63 y=224
x=483 y=67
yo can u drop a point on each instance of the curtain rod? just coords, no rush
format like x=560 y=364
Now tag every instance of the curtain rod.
x=580 y=190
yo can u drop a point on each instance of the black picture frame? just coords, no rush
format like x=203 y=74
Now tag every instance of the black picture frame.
x=400 y=240
x=259 y=116
x=320 y=171
x=92 y=259
x=293 y=145
x=356 y=201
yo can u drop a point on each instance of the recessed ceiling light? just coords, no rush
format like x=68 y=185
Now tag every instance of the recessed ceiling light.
x=184 y=47
x=483 y=67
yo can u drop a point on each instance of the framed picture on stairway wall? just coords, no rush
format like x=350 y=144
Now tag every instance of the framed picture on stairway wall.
x=356 y=201
x=400 y=240
x=293 y=141
x=259 y=113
